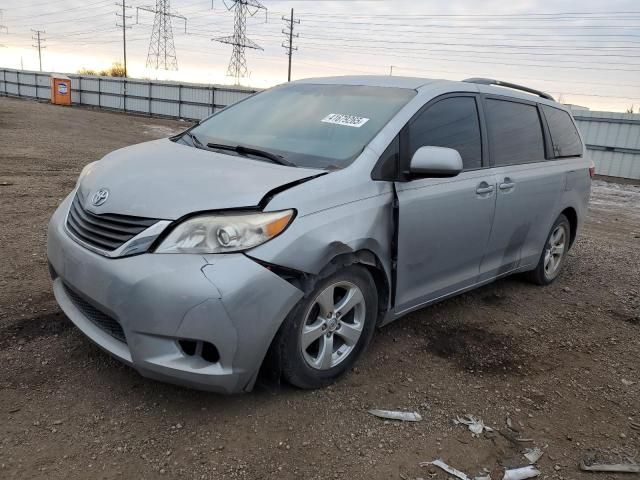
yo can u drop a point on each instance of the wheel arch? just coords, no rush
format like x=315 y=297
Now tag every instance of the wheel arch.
x=572 y=216
x=372 y=263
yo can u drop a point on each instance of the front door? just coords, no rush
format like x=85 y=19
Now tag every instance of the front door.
x=443 y=223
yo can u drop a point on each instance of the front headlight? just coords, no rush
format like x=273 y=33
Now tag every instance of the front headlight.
x=225 y=232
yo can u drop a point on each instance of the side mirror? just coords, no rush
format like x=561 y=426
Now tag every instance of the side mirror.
x=436 y=162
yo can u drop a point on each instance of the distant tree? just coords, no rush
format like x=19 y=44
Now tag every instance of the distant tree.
x=87 y=71
x=115 y=70
x=630 y=109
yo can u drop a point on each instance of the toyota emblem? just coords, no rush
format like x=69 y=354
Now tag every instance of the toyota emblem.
x=100 y=197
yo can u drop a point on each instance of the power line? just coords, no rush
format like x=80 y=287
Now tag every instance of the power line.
x=480 y=27
x=449 y=59
x=162 y=50
x=90 y=6
x=238 y=63
x=289 y=24
x=39 y=46
x=124 y=26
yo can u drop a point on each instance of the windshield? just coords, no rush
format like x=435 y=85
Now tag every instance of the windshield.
x=318 y=126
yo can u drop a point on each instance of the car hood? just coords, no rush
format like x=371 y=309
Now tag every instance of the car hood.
x=167 y=180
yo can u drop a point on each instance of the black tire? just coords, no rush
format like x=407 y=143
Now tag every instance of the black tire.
x=540 y=275
x=287 y=346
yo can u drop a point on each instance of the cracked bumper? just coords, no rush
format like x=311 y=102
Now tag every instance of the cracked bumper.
x=227 y=300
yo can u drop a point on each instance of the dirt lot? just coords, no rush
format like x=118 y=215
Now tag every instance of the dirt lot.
x=561 y=362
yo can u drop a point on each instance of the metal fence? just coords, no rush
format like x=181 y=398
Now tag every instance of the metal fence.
x=613 y=141
x=190 y=101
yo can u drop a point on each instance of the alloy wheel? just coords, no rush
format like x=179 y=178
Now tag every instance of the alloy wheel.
x=555 y=251
x=333 y=325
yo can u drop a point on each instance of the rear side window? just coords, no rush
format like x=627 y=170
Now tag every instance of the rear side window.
x=564 y=136
x=452 y=123
x=515 y=132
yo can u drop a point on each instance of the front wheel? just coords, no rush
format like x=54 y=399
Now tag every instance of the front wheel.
x=554 y=253
x=328 y=329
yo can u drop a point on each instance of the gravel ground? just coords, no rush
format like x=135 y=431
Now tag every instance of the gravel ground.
x=560 y=362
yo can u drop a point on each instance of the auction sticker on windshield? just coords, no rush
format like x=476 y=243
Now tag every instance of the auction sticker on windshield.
x=346 y=120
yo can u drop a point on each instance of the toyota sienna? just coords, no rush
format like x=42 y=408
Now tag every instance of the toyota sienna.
x=290 y=225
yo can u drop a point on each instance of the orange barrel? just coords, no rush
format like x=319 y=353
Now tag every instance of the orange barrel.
x=60 y=90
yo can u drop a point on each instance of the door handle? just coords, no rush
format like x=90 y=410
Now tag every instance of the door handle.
x=507 y=184
x=484 y=188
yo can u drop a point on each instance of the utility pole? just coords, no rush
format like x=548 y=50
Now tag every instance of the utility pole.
x=124 y=31
x=391 y=71
x=288 y=31
x=162 y=51
x=238 y=63
x=39 y=46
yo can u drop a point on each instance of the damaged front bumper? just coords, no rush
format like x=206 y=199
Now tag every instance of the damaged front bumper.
x=155 y=312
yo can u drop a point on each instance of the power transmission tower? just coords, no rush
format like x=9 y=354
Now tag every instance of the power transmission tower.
x=39 y=46
x=288 y=31
x=162 y=51
x=238 y=63
x=124 y=26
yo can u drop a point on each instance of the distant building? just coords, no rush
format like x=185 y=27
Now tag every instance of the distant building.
x=575 y=107
x=613 y=141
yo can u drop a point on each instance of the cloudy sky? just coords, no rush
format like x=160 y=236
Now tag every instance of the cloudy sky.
x=586 y=52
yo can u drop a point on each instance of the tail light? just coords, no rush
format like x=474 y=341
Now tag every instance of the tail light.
x=592 y=169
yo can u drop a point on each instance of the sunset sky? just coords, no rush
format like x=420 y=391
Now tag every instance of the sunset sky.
x=585 y=52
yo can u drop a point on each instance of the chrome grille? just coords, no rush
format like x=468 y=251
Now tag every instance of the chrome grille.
x=106 y=231
x=101 y=320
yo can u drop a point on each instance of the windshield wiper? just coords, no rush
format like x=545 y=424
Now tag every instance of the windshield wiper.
x=242 y=150
x=194 y=139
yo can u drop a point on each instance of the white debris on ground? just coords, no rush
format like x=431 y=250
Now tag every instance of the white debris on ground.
x=606 y=196
x=397 y=415
x=450 y=470
x=533 y=454
x=475 y=425
x=521 y=473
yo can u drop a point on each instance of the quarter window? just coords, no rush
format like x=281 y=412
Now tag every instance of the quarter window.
x=515 y=132
x=564 y=136
x=452 y=123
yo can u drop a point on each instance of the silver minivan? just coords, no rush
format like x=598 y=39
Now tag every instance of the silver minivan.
x=282 y=230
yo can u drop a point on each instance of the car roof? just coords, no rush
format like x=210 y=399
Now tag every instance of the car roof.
x=416 y=83
x=373 y=81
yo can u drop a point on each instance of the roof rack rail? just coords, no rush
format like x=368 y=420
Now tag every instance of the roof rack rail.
x=515 y=86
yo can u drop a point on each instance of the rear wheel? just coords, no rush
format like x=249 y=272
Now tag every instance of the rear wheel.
x=328 y=329
x=554 y=253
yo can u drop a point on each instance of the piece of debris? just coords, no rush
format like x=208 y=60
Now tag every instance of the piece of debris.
x=450 y=470
x=614 y=467
x=5 y=184
x=510 y=425
x=521 y=473
x=475 y=425
x=627 y=383
x=533 y=454
x=515 y=440
x=14 y=409
x=397 y=415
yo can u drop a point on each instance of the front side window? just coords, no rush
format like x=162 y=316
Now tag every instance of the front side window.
x=452 y=123
x=564 y=135
x=317 y=126
x=515 y=132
